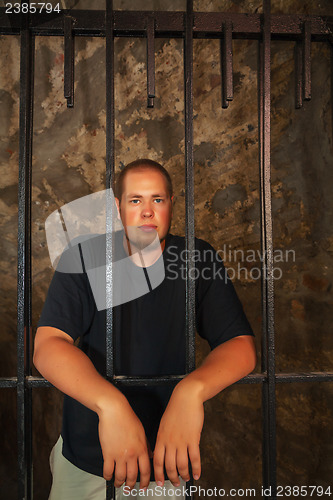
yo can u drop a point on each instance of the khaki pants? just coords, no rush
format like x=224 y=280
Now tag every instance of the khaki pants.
x=72 y=483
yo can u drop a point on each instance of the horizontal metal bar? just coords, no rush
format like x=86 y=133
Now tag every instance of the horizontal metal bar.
x=8 y=382
x=169 y=24
x=254 y=378
x=304 y=377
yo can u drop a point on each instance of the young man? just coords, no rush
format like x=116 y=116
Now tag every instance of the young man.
x=112 y=433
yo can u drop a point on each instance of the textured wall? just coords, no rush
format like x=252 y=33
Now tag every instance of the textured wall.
x=69 y=162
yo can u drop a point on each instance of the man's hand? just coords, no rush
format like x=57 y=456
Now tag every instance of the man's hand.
x=179 y=434
x=124 y=445
x=122 y=436
x=180 y=427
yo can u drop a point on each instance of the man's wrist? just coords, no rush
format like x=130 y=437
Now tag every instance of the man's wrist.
x=191 y=386
x=110 y=400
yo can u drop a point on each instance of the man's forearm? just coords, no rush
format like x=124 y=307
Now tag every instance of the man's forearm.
x=71 y=371
x=224 y=365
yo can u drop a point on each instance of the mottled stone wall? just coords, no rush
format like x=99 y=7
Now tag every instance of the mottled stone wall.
x=69 y=162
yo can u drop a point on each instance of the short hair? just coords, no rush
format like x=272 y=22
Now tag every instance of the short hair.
x=142 y=164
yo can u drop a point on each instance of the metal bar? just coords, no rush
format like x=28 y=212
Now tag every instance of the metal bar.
x=298 y=75
x=307 y=61
x=269 y=402
x=110 y=117
x=69 y=62
x=169 y=24
x=150 y=61
x=8 y=382
x=24 y=411
x=109 y=179
x=253 y=378
x=189 y=192
x=227 y=64
x=331 y=44
x=189 y=197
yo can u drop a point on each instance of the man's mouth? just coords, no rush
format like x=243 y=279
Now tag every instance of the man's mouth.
x=148 y=228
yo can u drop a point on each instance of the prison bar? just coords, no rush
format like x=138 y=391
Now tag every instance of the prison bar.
x=307 y=61
x=268 y=351
x=189 y=188
x=24 y=324
x=150 y=61
x=170 y=24
x=189 y=25
x=189 y=198
x=69 y=61
x=227 y=64
x=253 y=378
x=110 y=118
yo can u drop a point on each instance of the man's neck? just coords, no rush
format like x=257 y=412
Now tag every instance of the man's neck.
x=143 y=257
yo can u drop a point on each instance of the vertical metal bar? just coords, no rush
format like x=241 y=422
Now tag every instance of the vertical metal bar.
x=150 y=61
x=298 y=75
x=69 y=61
x=331 y=45
x=269 y=403
x=110 y=117
x=24 y=400
x=227 y=64
x=189 y=179
x=307 y=61
x=189 y=195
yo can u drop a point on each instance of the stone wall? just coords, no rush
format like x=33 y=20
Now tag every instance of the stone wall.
x=69 y=162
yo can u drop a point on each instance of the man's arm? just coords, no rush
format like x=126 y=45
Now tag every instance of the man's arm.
x=180 y=427
x=121 y=433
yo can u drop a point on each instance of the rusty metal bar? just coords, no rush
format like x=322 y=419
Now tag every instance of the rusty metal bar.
x=189 y=197
x=307 y=61
x=150 y=61
x=110 y=119
x=298 y=75
x=170 y=24
x=69 y=62
x=227 y=64
x=189 y=193
x=24 y=394
x=268 y=393
x=253 y=378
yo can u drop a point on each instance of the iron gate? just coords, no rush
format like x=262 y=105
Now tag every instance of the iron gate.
x=151 y=24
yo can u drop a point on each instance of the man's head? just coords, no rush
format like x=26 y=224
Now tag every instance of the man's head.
x=144 y=199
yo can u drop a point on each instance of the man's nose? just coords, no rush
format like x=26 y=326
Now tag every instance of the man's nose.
x=147 y=210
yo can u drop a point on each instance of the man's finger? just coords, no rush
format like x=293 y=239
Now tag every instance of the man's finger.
x=120 y=473
x=194 y=455
x=144 y=468
x=131 y=472
x=158 y=461
x=170 y=465
x=108 y=469
x=182 y=463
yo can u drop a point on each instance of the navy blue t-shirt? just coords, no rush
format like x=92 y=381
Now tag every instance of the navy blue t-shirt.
x=149 y=336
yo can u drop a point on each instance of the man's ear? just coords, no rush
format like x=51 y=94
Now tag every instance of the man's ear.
x=118 y=207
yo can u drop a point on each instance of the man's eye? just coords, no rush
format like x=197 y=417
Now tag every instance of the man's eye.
x=158 y=200
x=134 y=202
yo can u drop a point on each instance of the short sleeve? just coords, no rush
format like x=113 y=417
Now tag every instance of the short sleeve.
x=219 y=312
x=68 y=305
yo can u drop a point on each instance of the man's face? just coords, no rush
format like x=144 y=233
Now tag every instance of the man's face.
x=145 y=207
